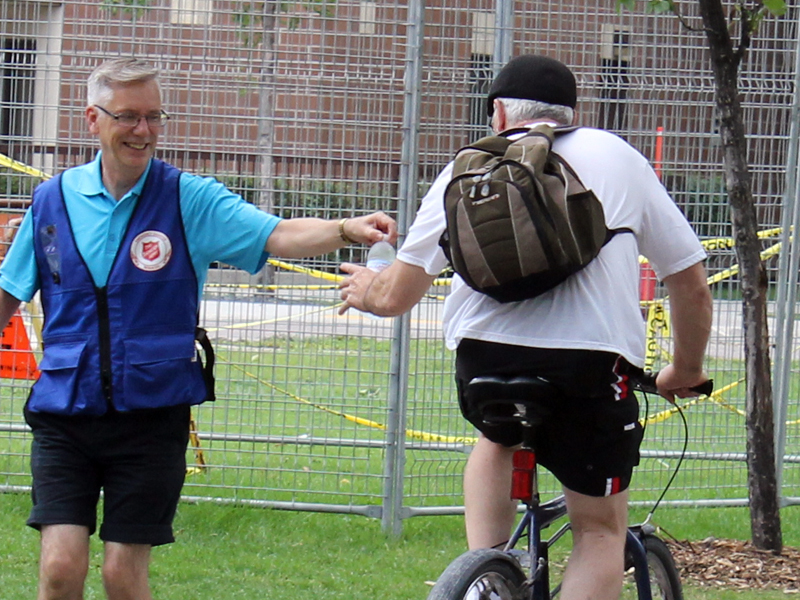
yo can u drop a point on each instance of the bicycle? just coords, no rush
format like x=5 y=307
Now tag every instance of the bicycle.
x=512 y=574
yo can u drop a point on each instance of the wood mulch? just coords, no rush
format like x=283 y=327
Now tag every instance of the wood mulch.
x=735 y=564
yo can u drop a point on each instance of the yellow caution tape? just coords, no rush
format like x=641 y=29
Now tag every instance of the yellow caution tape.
x=410 y=433
x=306 y=271
x=715 y=397
x=6 y=161
x=656 y=322
x=717 y=244
x=199 y=457
x=734 y=270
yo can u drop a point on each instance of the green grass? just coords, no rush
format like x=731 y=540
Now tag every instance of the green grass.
x=234 y=552
x=311 y=387
x=230 y=552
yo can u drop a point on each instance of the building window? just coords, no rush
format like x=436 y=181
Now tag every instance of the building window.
x=480 y=80
x=614 y=70
x=480 y=69
x=190 y=12
x=17 y=76
x=366 y=17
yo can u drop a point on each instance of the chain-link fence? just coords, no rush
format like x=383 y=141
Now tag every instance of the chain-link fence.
x=342 y=107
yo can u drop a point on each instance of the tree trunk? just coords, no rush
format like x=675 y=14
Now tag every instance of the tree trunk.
x=266 y=123
x=765 y=522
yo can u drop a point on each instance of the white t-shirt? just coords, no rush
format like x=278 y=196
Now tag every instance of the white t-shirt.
x=598 y=307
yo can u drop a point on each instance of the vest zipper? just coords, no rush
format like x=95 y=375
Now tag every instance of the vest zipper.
x=104 y=344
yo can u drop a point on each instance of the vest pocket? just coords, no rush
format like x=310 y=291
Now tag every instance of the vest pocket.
x=160 y=371
x=57 y=389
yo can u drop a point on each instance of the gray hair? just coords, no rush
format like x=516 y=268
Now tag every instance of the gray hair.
x=519 y=111
x=118 y=72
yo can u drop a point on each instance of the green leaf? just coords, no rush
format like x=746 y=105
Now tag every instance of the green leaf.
x=660 y=6
x=127 y=7
x=629 y=4
x=776 y=7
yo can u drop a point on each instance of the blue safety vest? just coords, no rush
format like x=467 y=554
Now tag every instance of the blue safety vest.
x=131 y=344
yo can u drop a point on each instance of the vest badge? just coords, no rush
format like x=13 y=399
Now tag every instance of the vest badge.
x=151 y=251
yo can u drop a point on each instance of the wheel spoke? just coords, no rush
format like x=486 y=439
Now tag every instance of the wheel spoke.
x=490 y=586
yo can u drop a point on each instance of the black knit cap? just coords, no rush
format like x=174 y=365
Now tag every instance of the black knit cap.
x=532 y=77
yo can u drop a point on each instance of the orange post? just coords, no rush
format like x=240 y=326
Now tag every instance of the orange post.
x=647 y=282
x=647 y=277
x=16 y=357
x=659 y=158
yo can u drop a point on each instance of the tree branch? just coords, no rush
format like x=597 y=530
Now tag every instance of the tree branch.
x=683 y=21
x=745 y=38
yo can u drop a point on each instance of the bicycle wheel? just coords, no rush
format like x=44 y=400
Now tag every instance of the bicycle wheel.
x=665 y=582
x=484 y=574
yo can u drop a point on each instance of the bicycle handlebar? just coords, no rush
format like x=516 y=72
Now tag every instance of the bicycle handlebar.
x=646 y=382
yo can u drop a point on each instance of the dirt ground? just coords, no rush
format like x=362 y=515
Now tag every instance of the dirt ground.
x=737 y=565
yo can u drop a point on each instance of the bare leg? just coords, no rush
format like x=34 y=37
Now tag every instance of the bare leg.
x=596 y=566
x=489 y=511
x=64 y=562
x=126 y=571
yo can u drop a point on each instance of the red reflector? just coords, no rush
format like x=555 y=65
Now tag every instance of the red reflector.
x=522 y=485
x=524 y=459
x=522 y=477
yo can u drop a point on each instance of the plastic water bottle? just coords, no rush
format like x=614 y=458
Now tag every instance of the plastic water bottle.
x=380 y=256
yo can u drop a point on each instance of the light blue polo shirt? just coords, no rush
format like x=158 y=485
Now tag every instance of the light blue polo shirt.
x=220 y=226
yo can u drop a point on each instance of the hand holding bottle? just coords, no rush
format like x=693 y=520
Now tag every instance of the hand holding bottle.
x=355 y=287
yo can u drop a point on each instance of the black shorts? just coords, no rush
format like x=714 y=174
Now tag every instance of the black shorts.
x=590 y=440
x=137 y=458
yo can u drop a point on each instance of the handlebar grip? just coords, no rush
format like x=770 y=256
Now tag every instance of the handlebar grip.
x=704 y=388
x=646 y=382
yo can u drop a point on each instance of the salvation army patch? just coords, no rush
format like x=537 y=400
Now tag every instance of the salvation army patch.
x=151 y=251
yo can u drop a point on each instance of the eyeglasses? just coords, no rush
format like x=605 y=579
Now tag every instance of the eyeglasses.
x=127 y=119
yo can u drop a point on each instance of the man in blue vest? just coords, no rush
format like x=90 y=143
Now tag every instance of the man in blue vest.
x=119 y=249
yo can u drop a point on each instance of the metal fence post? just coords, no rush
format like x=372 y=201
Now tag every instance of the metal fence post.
x=394 y=466
x=504 y=33
x=788 y=265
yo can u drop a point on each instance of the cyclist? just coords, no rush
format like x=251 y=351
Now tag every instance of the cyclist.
x=581 y=336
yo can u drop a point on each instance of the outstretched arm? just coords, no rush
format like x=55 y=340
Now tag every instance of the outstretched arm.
x=392 y=292
x=302 y=237
x=690 y=305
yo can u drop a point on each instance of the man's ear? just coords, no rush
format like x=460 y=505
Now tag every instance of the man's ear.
x=91 y=115
x=499 y=117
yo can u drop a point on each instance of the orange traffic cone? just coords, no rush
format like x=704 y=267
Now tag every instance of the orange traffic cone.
x=16 y=357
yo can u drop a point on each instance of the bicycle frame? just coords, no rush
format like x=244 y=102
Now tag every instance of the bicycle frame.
x=538 y=517
x=527 y=401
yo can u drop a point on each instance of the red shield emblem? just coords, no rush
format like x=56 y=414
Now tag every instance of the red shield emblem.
x=151 y=250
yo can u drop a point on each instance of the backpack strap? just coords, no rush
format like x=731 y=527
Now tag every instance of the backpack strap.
x=493 y=144
x=514 y=131
x=610 y=233
x=201 y=336
x=562 y=129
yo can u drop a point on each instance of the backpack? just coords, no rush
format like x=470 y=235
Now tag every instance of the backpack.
x=519 y=221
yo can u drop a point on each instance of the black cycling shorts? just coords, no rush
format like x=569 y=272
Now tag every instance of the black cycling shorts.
x=590 y=439
x=137 y=458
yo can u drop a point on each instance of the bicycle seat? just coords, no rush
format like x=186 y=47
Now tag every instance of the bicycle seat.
x=511 y=399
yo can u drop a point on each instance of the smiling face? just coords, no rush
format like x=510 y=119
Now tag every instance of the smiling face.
x=126 y=150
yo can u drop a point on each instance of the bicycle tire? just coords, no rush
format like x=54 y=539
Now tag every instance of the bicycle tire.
x=484 y=574
x=665 y=581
